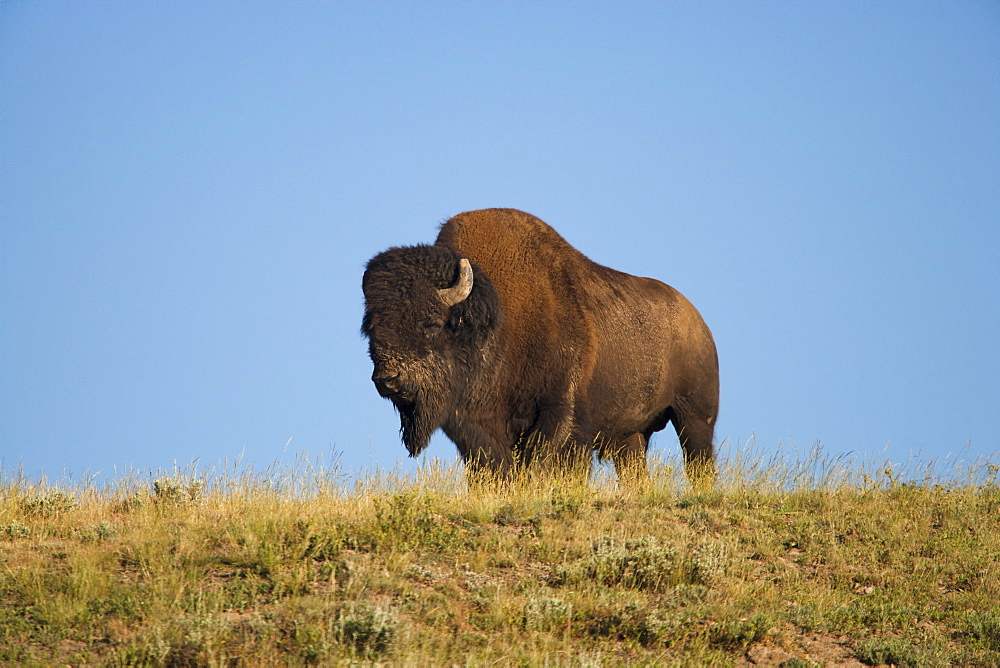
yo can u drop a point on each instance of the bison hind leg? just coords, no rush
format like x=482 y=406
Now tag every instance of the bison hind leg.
x=695 y=430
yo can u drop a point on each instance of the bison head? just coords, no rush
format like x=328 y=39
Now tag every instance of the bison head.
x=429 y=313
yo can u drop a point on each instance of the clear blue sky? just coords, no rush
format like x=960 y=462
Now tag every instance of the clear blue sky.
x=189 y=192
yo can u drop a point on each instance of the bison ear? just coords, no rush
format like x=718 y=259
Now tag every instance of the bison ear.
x=480 y=312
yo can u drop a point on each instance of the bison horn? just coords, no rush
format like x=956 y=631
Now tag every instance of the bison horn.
x=462 y=288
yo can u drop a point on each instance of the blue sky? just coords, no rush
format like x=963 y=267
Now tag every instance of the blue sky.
x=189 y=192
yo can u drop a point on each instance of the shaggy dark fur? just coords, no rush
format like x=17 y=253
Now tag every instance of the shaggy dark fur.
x=549 y=357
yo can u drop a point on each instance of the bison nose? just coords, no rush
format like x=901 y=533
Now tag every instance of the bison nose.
x=387 y=385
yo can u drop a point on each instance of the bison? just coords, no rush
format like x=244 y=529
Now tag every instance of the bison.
x=527 y=353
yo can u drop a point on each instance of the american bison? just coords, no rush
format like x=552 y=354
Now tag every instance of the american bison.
x=527 y=353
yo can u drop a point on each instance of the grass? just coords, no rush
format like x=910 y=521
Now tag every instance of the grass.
x=800 y=563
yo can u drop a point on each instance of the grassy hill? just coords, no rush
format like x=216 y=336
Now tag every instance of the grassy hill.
x=809 y=563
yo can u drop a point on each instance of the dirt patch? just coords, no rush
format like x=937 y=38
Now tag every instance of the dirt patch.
x=813 y=648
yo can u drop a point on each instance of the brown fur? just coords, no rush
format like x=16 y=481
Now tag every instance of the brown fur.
x=580 y=357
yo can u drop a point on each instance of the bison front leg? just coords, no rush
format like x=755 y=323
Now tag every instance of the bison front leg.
x=489 y=465
x=487 y=455
x=560 y=454
x=559 y=441
x=629 y=458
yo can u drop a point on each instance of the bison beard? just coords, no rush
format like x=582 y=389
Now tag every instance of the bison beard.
x=423 y=411
x=416 y=424
x=525 y=352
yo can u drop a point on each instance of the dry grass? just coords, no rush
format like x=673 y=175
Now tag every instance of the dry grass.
x=813 y=562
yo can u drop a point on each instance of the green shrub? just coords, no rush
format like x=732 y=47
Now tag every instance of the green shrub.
x=547 y=614
x=638 y=563
x=984 y=626
x=49 y=504
x=647 y=564
x=15 y=529
x=177 y=491
x=368 y=629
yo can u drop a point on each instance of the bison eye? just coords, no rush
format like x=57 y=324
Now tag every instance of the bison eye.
x=431 y=327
